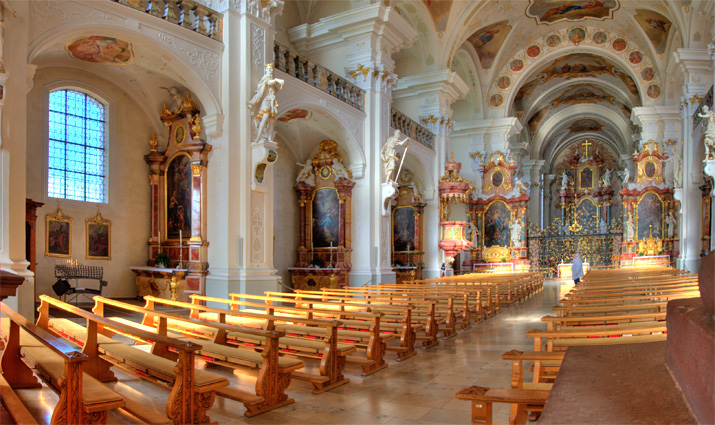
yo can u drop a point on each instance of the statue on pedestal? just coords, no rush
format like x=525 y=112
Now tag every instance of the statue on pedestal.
x=709 y=134
x=263 y=106
x=630 y=228
x=389 y=156
x=671 y=222
x=564 y=180
x=607 y=178
x=516 y=230
x=306 y=175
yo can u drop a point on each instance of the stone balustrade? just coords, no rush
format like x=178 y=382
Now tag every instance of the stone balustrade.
x=319 y=77
x=411 y=128
x=189 y=14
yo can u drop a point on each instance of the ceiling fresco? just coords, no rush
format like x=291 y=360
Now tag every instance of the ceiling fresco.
x=576 y=65
x=584 y=125
x=552 y=11
x=439 y=11
x=100 y=49
x=488 y=40
x=656 y=27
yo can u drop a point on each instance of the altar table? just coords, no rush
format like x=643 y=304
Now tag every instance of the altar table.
x=160 y=282
x=651 y=260
x=565 y=270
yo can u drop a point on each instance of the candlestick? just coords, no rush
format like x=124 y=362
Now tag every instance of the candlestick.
x=181 y=252
x=159 y=241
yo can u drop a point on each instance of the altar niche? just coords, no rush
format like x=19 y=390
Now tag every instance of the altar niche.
x=649 y=214
x=407 y=230
x=324 y=189
x=177 y=179
x=498 y=216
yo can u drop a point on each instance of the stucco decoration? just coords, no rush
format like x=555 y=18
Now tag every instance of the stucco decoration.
x=551 y=11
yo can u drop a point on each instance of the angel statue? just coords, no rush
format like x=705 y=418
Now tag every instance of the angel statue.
x=263 y=106
x=306 y=175
x=626 y=176
x=709 y=132
x=607 y=178
x=389 y=156
x=564 y=180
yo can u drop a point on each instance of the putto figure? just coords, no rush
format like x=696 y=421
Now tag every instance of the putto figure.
x=263 y=106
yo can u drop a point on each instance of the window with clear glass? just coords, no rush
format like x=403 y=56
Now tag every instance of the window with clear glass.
x=76 y=154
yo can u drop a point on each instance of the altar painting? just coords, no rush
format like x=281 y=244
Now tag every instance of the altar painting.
x=496 y=225
x=587 y=214
x=403 y=229
x=178 y=197
x=586 y=178
x=326 y=219
x=650 y=216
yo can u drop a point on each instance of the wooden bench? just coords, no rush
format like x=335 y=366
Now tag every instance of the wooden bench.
x=83 y=399
x=192 y=391
x=482 y=398
x=543 y=363
x=598 y=335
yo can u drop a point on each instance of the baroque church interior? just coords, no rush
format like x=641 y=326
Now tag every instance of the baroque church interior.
x=192 y=150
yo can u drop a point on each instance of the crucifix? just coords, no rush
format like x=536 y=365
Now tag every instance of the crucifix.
x=586 y=144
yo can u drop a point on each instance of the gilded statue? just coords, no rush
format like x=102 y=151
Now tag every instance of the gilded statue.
x=264 y=107
x=389 y=155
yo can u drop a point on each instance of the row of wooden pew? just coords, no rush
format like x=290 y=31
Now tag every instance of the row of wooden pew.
x=608 y=307
x=273 y=334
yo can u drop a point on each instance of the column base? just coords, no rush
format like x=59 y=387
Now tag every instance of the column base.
x=221 y=282
x=690 y=264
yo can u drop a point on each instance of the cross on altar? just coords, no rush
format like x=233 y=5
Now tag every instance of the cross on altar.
x=586 y=144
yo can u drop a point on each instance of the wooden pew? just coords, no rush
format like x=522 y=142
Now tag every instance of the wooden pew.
x=192 y=391
x=543 y=361
x=83 y=399
x=598 y=335
x=482 y=398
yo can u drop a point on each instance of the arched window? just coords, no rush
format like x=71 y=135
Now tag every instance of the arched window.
x=76 y=154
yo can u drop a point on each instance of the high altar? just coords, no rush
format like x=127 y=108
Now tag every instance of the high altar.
x=407 y=233
x=177 y=178
x=498 y=216
x=324 y=189
x=649 y=215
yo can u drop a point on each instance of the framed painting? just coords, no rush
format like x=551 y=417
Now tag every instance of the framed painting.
x=585 y=177
x=496 y=224
x=326 y=218
x=58 y=235
x=650 y=216
x=587 y=215
x=99 y=240
x=178 y=196
x=403 y=229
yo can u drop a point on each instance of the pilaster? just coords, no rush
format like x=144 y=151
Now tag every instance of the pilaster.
x=531 y=170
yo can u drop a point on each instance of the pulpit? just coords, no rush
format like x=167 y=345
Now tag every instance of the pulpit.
x=324 y=187
x=177 y=188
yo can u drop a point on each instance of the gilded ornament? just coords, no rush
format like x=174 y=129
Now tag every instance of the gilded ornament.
x=153 y=142
x=196 y=169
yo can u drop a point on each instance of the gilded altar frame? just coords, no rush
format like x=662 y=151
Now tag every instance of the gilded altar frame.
x=309 y=211
x=484 y=225
x=662 y=211
x=168 y=163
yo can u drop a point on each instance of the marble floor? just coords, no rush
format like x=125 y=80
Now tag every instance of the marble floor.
x=420 y=390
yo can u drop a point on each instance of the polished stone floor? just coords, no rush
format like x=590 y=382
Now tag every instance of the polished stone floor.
x=420 y=390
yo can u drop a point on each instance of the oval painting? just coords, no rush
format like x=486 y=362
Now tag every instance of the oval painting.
x=553 y=40
x=599 y=37
x=504 y=82
x=619 y=44
x=653 y=91
x=635 y=57
x=650 y=170
x=647 y=74
x=497 y=179
x=496 y=100
x=577 y=35
x=533 y=51
x=100 y=49
x=516 y=65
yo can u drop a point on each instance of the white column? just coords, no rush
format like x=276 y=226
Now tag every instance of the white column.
x=531 y=170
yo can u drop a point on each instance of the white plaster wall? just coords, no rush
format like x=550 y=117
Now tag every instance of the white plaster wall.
x=286 y=214
x=128 y=190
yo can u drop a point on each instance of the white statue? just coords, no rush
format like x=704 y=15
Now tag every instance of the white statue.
x=339 y=169
x=671 y=222
x=389 y=156
x=306 y=173
x=602 y=226
x=626 y=177
x=516 y=231
x=564 y=180
x=473 y=234
x=630 y=228
x=177 y=100
x=607 y=178
x=407 y=179
x=263 y=106
x=709 y=132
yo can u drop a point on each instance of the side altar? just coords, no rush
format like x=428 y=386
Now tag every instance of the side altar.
x=177 y=245
x=407 y=230
x=324 y=187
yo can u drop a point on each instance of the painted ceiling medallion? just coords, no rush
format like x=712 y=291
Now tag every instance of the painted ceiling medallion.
x=100 y=49
x=551 y=11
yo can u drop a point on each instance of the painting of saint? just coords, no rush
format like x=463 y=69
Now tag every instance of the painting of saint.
x=653 y=91
x=647 y=74
x=58 y=238
x=553 y=40
x=587 y=215
x=98 y=241
x=586 y=178
x=496 y=100
x=178 y=197
x=488 y=40
x=551 y=11
x=516 y=65
x=326 y=219
x=403 y=229
x=656 y=27
x=577 y=35
x=99 y=49
x=600 y=37
x=439 y=10
x=650 y=216
x=496 y=225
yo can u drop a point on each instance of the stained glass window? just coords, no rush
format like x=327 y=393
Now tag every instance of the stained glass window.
x=76 y=154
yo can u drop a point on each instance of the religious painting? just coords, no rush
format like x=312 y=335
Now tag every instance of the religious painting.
x=295 y=114
x=553 y=40
x=496 y=225
x=403 y=229
x=550 y=11
x=577 y=65
x=650 y=216
x=178 y=196
x=326 y=218
x=496 y=100
x=650 y=169
x=577 y=35
x=619 y=44
x=583 y=93
x=536 y=119
x=656 y=27
x=98 y=238
x=628 y=82
x=525 y=91
x=584 y=125
x=179 y=134
x=516 y=65
x=587 y=216
x=635 y=57
x=647 y=74
x=488 y=40
x=504 y=82
x=497 y=179
x=586 y=178
x=439 y=10
x=99 y=49
x=599 y=37
x=653 y=91
x=533 y=51
x=58 y=235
